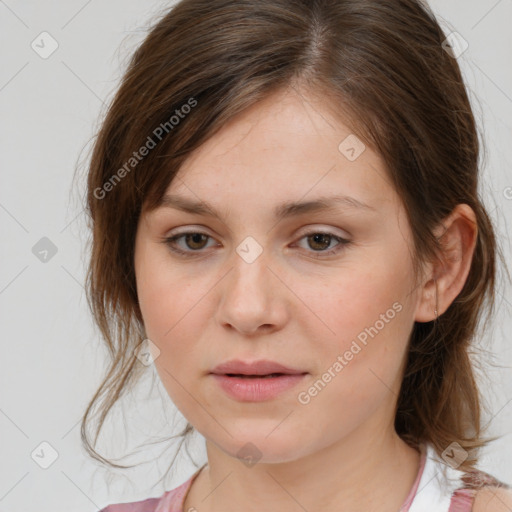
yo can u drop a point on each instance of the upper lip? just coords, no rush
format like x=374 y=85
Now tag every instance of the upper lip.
x=263 y=367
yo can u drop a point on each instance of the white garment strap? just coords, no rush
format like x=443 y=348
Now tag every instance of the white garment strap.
x=437 y=484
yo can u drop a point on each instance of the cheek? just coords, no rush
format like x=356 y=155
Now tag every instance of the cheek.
x=357 y=298
x=365 y=316
x=164 y=290
x=173 y=313
x=174 y=305
x=358 y=366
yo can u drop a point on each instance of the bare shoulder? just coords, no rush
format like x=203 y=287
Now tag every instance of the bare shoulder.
x=493 y=499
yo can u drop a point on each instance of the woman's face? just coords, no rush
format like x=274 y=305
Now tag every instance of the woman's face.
x=262 y=280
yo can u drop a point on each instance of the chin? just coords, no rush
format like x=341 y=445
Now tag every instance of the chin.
x=256 y=446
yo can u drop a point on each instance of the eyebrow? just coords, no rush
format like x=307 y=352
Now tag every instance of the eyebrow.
x=282 y=211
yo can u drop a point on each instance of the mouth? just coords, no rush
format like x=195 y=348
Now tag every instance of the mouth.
x=256 y=381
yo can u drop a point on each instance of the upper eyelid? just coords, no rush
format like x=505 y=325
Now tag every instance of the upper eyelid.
x=306 y=230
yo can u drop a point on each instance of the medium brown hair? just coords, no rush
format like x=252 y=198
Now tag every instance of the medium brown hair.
x=382 y=65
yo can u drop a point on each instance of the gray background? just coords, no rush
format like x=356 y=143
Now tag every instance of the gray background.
x=52 y=357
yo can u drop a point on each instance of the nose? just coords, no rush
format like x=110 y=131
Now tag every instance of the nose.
x=253 y=298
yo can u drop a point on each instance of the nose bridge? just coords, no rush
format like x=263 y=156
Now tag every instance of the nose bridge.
x=249 y=250
x=250 y=272
x=249 y=296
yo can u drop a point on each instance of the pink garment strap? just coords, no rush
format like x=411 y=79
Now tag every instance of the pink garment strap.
x=462 y=500
x=464 y=497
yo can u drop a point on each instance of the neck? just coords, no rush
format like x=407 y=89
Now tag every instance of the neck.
x=360 y=473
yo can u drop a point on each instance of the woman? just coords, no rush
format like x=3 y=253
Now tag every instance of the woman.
x=284 y=204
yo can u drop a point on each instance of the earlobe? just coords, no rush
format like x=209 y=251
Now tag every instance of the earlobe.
x=457 y=235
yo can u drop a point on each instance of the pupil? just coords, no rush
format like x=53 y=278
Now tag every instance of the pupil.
x=318 y=237
x=196 y=238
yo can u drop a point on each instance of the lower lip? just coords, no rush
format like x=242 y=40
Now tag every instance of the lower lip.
x=257 y=389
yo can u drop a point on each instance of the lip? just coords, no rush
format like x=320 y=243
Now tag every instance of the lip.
x=256 y=387
x=262 y=367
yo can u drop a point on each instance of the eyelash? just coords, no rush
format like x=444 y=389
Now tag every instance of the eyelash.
x=170 y=242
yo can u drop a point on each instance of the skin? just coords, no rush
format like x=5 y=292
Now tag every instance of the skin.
x=293 y=305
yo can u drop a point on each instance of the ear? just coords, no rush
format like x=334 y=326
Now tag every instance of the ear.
x=445 y=277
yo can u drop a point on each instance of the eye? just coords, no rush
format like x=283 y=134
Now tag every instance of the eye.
x=193 y=240
x=320 y=241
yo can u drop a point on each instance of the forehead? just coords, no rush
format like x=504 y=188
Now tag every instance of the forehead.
x=286 y=146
